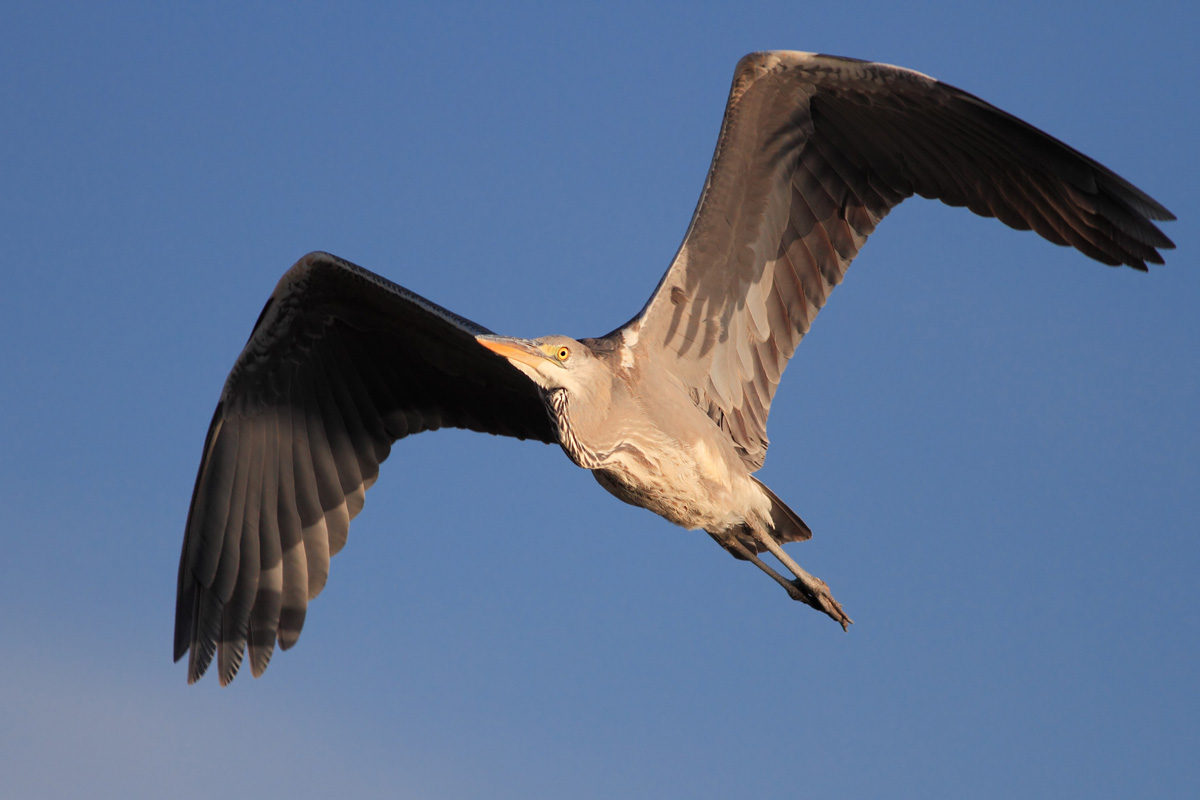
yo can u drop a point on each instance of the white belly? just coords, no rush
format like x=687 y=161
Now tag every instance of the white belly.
x=693 y=487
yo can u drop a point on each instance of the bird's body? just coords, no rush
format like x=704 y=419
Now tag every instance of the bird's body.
x=667 y=457
x=668 y=411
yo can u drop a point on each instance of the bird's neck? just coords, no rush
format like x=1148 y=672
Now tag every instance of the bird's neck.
x=558 y=406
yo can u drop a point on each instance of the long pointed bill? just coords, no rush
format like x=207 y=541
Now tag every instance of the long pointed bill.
x=514 y=349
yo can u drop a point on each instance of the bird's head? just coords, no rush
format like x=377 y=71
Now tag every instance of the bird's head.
x=552 y=362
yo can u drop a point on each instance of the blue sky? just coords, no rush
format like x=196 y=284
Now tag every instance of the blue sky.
x=993 y=439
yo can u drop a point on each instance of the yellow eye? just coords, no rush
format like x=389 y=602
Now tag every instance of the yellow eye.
x=563 y=353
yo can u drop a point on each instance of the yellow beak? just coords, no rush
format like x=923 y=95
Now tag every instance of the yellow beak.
x=514 y=350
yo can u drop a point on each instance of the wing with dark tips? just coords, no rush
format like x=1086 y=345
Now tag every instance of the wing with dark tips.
x=813 y=152
x=340 y=364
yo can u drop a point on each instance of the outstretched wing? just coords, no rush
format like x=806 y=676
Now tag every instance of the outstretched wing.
x=814 y=151
x=340 y=364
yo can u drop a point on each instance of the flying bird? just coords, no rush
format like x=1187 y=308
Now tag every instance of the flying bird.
x=668 y=411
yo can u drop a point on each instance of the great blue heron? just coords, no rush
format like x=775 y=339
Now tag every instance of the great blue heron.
x=669 y=411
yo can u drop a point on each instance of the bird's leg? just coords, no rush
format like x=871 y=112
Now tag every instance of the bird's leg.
x=816 y=591
x=806 y=588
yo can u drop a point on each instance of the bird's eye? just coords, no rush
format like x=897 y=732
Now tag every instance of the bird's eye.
x=563 y=353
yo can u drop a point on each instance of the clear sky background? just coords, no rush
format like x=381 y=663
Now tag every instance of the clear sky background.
x=994 y=439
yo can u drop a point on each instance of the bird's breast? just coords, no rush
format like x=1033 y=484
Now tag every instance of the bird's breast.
x=690 y=486
x=665 y=466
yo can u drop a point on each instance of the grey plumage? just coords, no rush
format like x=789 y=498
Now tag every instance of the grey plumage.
x=668 y=410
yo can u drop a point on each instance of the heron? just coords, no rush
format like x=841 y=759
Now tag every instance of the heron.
x=668 y=411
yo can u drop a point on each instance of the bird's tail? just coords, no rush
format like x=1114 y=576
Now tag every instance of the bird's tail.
x=786 y=526
x=787 y=523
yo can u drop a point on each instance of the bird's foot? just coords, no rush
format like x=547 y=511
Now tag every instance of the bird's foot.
x=807 y=588
x=813 y=591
